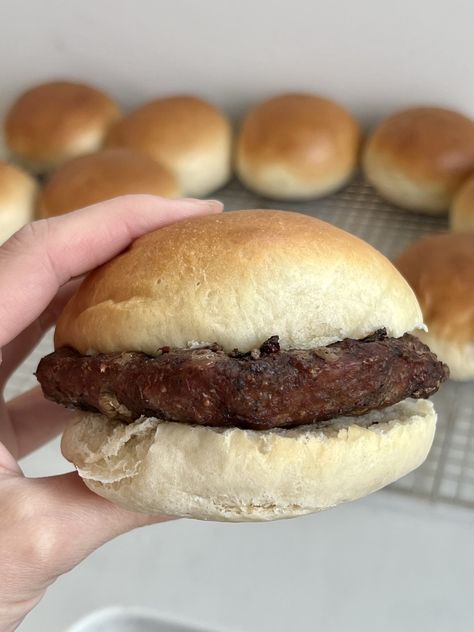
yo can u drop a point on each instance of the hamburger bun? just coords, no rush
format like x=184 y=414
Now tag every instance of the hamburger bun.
x=418 y=158
x=236 y=279
x=106 y=174
x=17 y=197
x=297 y=147
x=246 y=475
x=55 y=121
x=440 y=269
x=187 y=135
x=461 y=215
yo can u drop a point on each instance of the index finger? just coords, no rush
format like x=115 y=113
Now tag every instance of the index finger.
x=44 y=255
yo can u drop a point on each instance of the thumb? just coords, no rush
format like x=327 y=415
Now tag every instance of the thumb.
x=75 y=522
x=47 y=526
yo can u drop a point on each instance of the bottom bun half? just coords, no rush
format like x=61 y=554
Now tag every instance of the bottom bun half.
x=239 y=475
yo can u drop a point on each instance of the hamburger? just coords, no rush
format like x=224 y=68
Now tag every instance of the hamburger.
x=248 y=366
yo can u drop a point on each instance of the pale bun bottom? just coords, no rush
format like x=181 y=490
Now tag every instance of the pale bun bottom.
x=278 y=183
x=244 y=475
x=458 y=356
x=432 y=198
x=12 y=218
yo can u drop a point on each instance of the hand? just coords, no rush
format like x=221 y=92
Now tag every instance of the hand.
x=48 y=525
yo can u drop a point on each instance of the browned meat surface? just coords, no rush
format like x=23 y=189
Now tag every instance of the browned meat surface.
x=266 y=388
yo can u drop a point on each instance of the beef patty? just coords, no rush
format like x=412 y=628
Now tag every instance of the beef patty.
x=265 y=388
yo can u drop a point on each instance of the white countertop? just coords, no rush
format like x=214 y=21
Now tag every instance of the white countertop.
x=384 y=563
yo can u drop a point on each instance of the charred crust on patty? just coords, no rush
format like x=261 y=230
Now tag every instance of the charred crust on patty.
x=261 y=389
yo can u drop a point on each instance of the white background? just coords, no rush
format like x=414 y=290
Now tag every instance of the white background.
x=382 y=563
x=372 y=55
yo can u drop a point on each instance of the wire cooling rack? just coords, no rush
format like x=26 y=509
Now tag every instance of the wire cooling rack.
x=448 y=473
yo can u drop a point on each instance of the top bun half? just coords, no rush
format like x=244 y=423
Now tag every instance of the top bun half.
x=440 y=269
x=297 y=146
x=18 y=192
x=236 y=279
x=189 y=136
x=461 y=214
x=55 y=121
x=105 y=174
x=418 y=158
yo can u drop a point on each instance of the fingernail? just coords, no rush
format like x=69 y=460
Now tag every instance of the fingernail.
x=206 y=202
x=214 y=206
x=207 y=206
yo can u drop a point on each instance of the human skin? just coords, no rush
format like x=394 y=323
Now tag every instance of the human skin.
x=48 y=525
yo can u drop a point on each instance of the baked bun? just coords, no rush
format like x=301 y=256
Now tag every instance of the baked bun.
x=246 y=475
x=297 y=147
x=189 y=136
x=236 y=279
x=418 y=158
x=106 y=174
x=17 y=197
x=461 y=215
x=55 y=121
x=440 y=269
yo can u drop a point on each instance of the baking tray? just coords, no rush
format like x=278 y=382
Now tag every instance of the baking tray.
x=448 y=473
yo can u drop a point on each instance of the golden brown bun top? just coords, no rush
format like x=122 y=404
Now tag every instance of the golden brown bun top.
x=106 y=174
x=462 y=209
x=47 y=119
x=236 y=279
x=305 y=132
x=440 y=269
x=173 y=125
x=427 y=144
